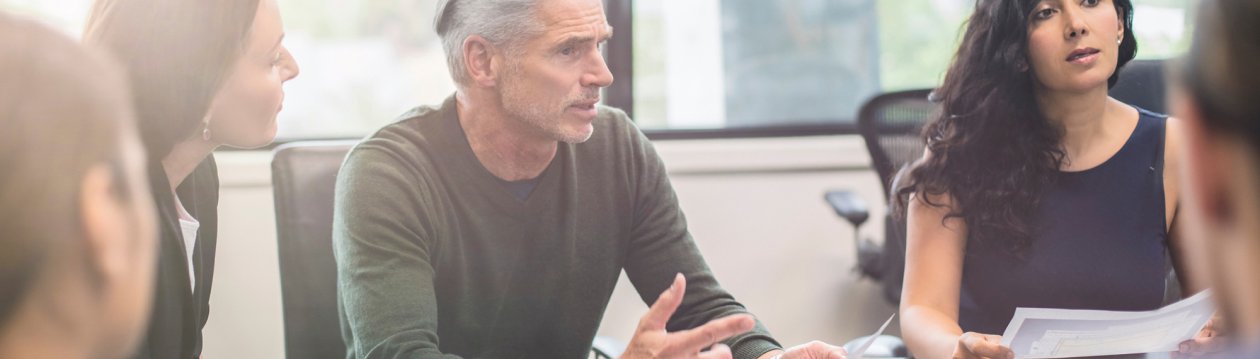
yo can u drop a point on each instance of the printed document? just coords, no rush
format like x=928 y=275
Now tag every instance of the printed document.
x=1061 y=333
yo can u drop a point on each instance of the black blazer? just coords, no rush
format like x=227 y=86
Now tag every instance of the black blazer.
x=178 y=314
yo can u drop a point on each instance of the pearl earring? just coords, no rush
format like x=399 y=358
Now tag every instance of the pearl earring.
x=205 y=129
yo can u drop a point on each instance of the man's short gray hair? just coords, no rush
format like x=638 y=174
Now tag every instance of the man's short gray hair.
x=504 y=23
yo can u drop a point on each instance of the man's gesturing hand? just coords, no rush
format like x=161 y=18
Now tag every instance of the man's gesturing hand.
x=652 y=342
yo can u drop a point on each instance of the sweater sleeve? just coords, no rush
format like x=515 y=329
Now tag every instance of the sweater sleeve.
x=382 y=244
x=662 y=246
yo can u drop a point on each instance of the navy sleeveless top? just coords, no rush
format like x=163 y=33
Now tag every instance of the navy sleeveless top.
x=1099 y=242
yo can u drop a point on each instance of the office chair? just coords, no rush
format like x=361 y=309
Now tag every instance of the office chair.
x=890 y=124
x=304 y=175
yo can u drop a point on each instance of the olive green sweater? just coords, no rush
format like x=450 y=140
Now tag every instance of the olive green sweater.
x=436 y=258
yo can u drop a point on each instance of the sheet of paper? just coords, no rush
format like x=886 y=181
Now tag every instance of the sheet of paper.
x=1061 y=333
x=857 y=354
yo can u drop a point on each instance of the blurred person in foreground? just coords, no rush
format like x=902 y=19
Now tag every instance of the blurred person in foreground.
x=1218 y=98
x=77 y=239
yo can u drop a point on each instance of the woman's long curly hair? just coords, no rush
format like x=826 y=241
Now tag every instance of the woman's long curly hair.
x=991 y=150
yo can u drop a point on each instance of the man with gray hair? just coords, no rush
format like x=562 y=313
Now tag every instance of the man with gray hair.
x=500 y=221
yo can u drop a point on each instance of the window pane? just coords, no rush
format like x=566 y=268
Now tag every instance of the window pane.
x=697 y=63
x=65 y=15
x=737 y=63
x=364 y=62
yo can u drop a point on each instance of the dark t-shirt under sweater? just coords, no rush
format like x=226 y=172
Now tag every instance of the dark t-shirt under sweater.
x=437 y=259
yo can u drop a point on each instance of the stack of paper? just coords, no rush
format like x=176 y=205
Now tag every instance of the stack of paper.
x=1062 y=333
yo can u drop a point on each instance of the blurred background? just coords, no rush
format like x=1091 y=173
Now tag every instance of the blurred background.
x=696 y=64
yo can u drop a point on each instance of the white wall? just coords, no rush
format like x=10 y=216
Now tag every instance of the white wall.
x=754 y=206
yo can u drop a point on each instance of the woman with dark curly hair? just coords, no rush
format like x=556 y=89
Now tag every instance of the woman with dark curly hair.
x=1036 y=188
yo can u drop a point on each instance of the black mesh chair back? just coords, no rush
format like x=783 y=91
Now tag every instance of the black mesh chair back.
x=891 y=124
x=303 y=175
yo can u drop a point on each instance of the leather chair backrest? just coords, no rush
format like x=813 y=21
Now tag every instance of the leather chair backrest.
x=303 y=175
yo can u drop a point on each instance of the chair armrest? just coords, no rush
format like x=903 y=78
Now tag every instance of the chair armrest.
x=848 y=205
